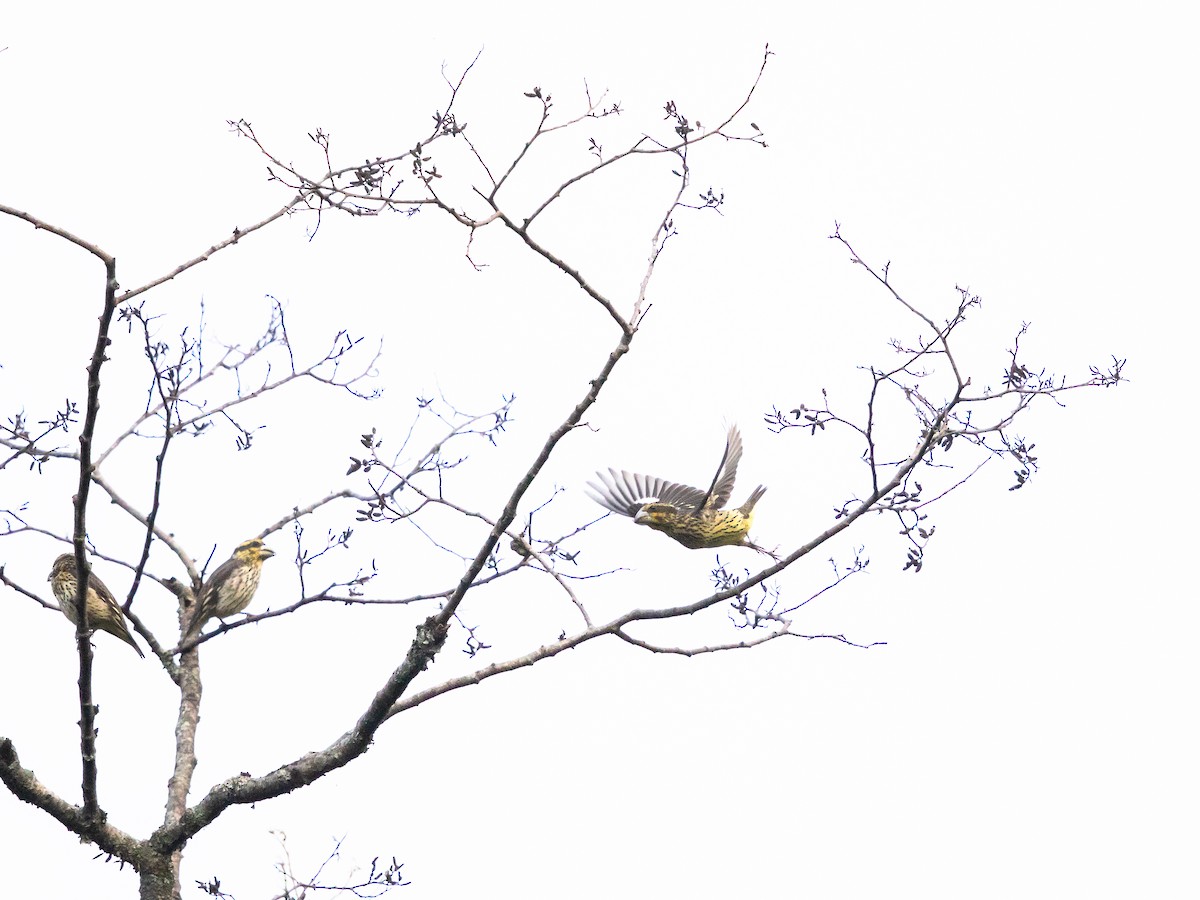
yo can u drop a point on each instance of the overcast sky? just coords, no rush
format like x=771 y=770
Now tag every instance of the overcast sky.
x=1025 y=728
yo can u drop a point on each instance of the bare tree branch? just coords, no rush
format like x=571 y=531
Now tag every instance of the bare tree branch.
x=191 y=391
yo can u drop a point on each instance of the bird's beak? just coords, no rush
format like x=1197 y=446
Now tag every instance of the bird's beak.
x=640 y=517
x=267 y=552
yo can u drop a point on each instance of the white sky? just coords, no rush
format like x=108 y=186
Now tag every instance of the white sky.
x=1023 y=733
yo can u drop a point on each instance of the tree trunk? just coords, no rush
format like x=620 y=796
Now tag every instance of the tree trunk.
x=159 y=878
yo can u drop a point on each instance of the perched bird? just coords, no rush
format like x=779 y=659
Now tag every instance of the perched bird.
x=691 y=516
x=103 y=610
x=231 y=587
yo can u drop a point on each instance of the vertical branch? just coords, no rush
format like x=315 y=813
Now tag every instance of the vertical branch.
x=87 y=709
x=180 y=782
x=190 y=690
x=662 y=234
x=168 y=402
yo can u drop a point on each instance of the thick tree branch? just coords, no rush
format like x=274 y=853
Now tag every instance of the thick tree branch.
x=24 y=785
x=431 y=635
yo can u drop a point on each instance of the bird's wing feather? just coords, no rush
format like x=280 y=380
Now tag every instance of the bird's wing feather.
x=207 y=602
x=102 y=590
x=627 y=492
x=220 y=574
x=116 y=617
x=722 y=486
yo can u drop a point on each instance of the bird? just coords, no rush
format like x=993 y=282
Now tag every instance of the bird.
x=695 y=518
x=103 y=611
x=231 y=587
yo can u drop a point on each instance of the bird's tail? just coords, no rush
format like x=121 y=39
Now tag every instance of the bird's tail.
x=755 y=495
x=128 y=638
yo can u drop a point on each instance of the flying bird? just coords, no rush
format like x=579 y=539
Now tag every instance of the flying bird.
x=103 y=611
x=231 y=587
x=695 y=518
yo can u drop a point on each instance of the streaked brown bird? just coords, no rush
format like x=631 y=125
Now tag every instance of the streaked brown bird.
x=231 y=587
x=103 y=611
x=691 y=516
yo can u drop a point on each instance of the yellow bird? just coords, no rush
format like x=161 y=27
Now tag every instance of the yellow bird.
x=695 y=518
x=231 y=587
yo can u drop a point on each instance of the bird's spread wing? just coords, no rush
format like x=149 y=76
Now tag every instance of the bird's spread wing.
x=722 y=487
x=626 y=492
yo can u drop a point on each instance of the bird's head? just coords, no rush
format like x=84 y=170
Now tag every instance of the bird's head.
x=62 y=565
x=253 y=550
x=656 y=515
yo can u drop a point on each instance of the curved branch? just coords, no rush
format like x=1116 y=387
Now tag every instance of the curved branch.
x=243 y=789
x=59 y=232
x=24 y=785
